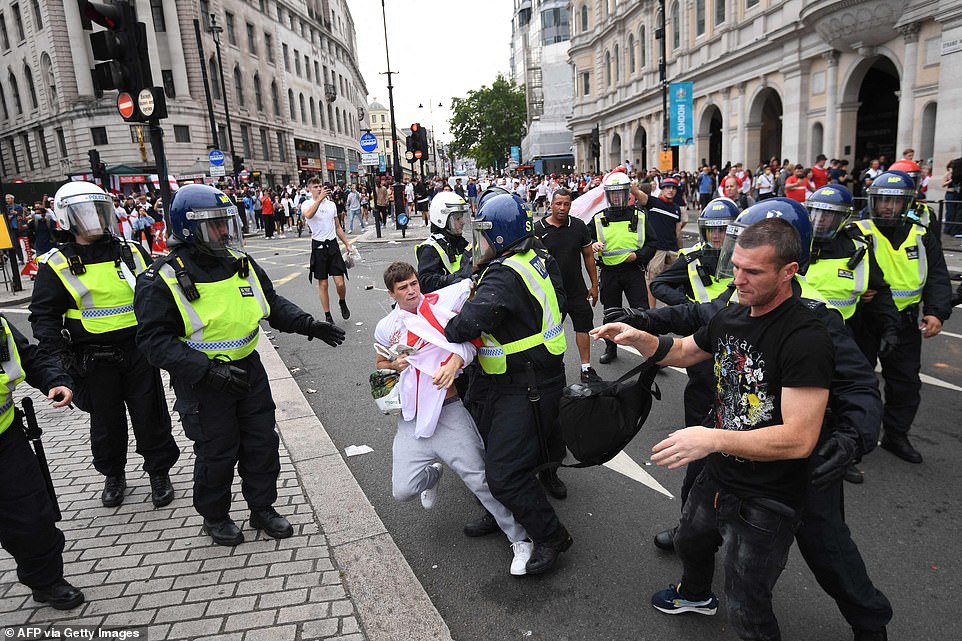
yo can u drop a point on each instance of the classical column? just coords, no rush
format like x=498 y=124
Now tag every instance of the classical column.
x=175 y=46
x=726 y=152
x=830 y=144
x=743 y=127
x=910 y=33
x=948 y=125
x=793 y=107
x=78 y=54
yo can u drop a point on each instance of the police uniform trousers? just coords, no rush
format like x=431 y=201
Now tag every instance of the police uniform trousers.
x=900 y=369
x=27 y=526
x=828 y=549
x=109 y=390
x=228 y=430
x=628 y=280
x=514 y=447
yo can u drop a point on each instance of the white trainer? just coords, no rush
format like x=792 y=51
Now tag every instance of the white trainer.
x=522 y=552
x=430 y=496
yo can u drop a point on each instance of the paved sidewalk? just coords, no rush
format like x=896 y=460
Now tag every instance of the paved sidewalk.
x=339 y=577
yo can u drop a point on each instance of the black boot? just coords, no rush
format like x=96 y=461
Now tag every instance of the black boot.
x=60 y=596
x=273 y=524
x=552 y=484
x=546 y=553
x=224 y=532
x=611 y=353
x=870 y=635
x=665 y=540
x=482 y=526
x=114 y=489
x=898 y=444
x=161 y=490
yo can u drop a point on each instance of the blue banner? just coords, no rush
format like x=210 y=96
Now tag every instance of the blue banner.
x=516 y=153
x=680 y=112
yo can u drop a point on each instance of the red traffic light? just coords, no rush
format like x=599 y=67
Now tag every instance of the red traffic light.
x=109 y=16
x=415 y=127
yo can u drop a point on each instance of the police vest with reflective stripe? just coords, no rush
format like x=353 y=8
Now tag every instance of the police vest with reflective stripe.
x=906 y=268
x=448 y=265
x=841 y=285
x=225 y=320
x=104 y=294
x=530 y=266
x=619 y=240
x=701 y=293
x=11 y=374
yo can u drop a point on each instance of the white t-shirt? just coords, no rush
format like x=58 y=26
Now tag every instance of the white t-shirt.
x=321 y=223
x=390 y=330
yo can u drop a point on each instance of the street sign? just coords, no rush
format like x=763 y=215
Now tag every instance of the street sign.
x=125 y=104
x=244 y=174
x=409 y=155
x=217 y=170
x=216 y=157
x=145 y=100
x=418 y=154
x=368 y=142
x=370 y=159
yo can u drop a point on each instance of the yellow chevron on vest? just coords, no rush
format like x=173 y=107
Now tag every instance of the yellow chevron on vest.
x=702 y=293
x=619 y=240
x=225 y=320
x=906 y=267
x=103 y=296
x=11 y=374
x=841 y=286
x=448 y=265
x=493 y=355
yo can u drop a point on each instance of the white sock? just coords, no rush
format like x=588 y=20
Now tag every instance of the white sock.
x=585 y=367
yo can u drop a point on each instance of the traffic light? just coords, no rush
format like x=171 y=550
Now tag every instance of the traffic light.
x=419 y=139
x=409 y=144
x=595 y=142
x=238 y=163
x=94 y=157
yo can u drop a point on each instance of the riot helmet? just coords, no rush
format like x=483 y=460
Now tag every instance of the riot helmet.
x=84 y=210
x=785 y=208
x=890 y=198
x=713 y=221
x=205 y=217
x=617 y=188
x=448 y=212
x=829 y=208
x=501 y=222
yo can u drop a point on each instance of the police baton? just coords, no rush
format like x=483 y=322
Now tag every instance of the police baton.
x=534 y=397
x=33 y=433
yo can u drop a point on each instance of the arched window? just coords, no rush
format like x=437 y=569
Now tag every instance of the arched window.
x=238 y=87
x=15 y=90
x=642 y=48
x=213 y=78
x=617 y=63
x=47 y=78
x=258 y=98
x=584 y=17
x=275 y=101
x=290 y=101
x=300 y=100
x=607 y=69
x=337 y=117
x=3 y=103
x=313 y=112
x=631 y=54
x=330 y=117
x=675 y=28
x=31 y=88
x=320 y=112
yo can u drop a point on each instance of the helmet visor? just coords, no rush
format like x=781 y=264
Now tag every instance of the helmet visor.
x=90 y=217
x=617 y=196
x=826 y=223
x=456 y=218
x=216 y=235
x=888 y=209
x=725 y=270
x=712 y=232
x=481 y=250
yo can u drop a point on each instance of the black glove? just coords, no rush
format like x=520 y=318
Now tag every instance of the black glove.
x=637 y=318
x=888 y=343
x=224 y=377
x=327 y=332
x=833 y=458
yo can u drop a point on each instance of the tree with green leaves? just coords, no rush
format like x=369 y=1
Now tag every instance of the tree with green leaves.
x=488 y=121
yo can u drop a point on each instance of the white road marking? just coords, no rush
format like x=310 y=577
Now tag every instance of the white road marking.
x=945 y=333
x=623 y=464
x=14 y=310
x=286 y=279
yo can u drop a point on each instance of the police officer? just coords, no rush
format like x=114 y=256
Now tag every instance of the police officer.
x=442 y=258
x=516 y=311
x=850 y=430
x=626 y=243
x=911 y=256
x=199 y=310
x=28 y=528
x=82 y=312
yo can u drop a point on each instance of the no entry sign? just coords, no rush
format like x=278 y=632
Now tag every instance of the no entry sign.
x=125 y=104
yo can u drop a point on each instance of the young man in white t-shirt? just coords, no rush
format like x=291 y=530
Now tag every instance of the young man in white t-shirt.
x=320 y=214
x=434 y=424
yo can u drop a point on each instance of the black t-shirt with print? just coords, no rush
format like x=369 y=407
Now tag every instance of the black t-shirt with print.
x=755 y=357
x=566 y=243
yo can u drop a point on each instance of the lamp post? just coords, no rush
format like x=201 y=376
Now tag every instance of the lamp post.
x=398 y=187
x=216 y=30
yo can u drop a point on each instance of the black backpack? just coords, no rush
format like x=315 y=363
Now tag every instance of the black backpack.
x=599 y=419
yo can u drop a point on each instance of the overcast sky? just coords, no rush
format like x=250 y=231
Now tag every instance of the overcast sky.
x=440 y=49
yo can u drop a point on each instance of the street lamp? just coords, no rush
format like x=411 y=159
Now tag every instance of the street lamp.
x=216 y=30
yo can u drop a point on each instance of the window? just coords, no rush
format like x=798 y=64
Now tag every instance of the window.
x=15 y=91
x=258 y=98
x=720 y=11
x=750 y=3
x=16 y=156
x=617 y=63
x=231 y=32
x=275 y=101
x=167 y=77
x=39 y=20
x=554 y=26
x=246 y=140
x=631 y=54
x=300 y=100
x=584 y=17
x=607 y=69
x=330 y=117
x=297 y=63
x=269 y=47
x=99 y=136
x=4 y=37
x=313 y=112
x=238 y=87
x=157 y=15
x=337 y=117
x=136 y=134
x=265 y=144
x=47 y=79
x=3 y=103
x=307 y=67
x=263 y=6
x=31 y=89
x=699 y=17
x=222 y=135
x=642 y=48
x=213 y=78
x=287 y=58
x=181 y=133
x=585 y=83
x=281 y=147
x=317 y=72
x=42 y=146
x=205 y=14
x=18 y=20
x=25 y=141
x=290 y=101
x=61 y=142
x=675 y=28
x=251 y=39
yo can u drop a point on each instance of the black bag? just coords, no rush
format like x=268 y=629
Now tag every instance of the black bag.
x=599 y=419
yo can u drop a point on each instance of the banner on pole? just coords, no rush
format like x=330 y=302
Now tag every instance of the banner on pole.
x=680 y=111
